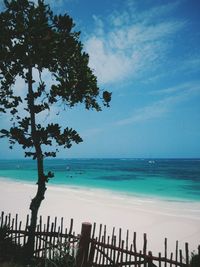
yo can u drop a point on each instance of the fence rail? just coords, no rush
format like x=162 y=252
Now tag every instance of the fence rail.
x=91 y=249
x=108 y=252
x=51 y=238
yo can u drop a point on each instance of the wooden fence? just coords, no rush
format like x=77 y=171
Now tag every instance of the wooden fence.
x=52 y=241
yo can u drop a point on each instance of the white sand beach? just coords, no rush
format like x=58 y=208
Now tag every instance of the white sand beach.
x=158 y=218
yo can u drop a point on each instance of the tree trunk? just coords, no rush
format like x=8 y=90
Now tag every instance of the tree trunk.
x=41 y=183
x=34 y=207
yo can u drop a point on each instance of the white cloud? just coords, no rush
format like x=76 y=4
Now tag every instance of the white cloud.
x=120 y=19
x=158 y=109
x=134 y=14
x=159 y=11
x=153 y=111
x=186 y=88
x=123 y=47
x=99 y=25
x=186 y=67
x=108 y=66
x=189 y=65
x=137 y=37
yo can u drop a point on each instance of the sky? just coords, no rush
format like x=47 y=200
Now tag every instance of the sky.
x=147 y=53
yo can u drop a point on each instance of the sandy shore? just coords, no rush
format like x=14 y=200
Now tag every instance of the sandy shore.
x=158 y=218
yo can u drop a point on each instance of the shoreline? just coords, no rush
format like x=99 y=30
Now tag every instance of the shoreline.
x=167 y=179
x=160 y=219
x=109 y=191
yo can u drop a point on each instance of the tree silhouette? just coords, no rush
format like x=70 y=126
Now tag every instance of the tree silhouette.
x=33 y=42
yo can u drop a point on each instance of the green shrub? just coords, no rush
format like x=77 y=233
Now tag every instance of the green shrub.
x=12 y=255
x=195 y=260
x=9 y=251
x=64 y=255
x=9 y=264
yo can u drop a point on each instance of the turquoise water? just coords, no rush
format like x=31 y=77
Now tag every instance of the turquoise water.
x=164 y=178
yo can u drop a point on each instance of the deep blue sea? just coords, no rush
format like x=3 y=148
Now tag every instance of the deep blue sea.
x=164 y=178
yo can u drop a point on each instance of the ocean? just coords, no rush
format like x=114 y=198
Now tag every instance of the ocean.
x=170 y=179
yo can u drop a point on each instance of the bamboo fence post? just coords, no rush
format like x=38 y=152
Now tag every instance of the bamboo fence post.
x=37 y=242
x=6 y=220
x=104 y=241
x=54 y=231
x=187 y=253
x=26 y=230
x=119 y=246
x=122 y=254
x=150 y=261
x=176 y=257
x=9 y=219
x=83 y=249
x=19 y=236
x=127 y=244
x=108 y=250
x=113 y=241
x=97 y=258
x=130 y=255
x=2 y=218
x=165 y=252
x=140 y=257
x=134 y=246
x=145 y=249
x=71 y=226
x=101 y=241
x=47 y=249
x=93 y=230
x=181 y=256
x=9 y=226
x=16 y=225
x=91 y=254
x=40 y=240
x=171 y=258
x=159 y=260
x=63 y=246
x=13 y=228
x=51 y=242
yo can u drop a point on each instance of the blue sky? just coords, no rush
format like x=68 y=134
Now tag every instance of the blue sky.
x=147 y=53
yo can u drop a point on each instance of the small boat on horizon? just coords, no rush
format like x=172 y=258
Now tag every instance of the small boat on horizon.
x=151 y=161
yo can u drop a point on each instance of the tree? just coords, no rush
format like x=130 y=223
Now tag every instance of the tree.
x=34 y=40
